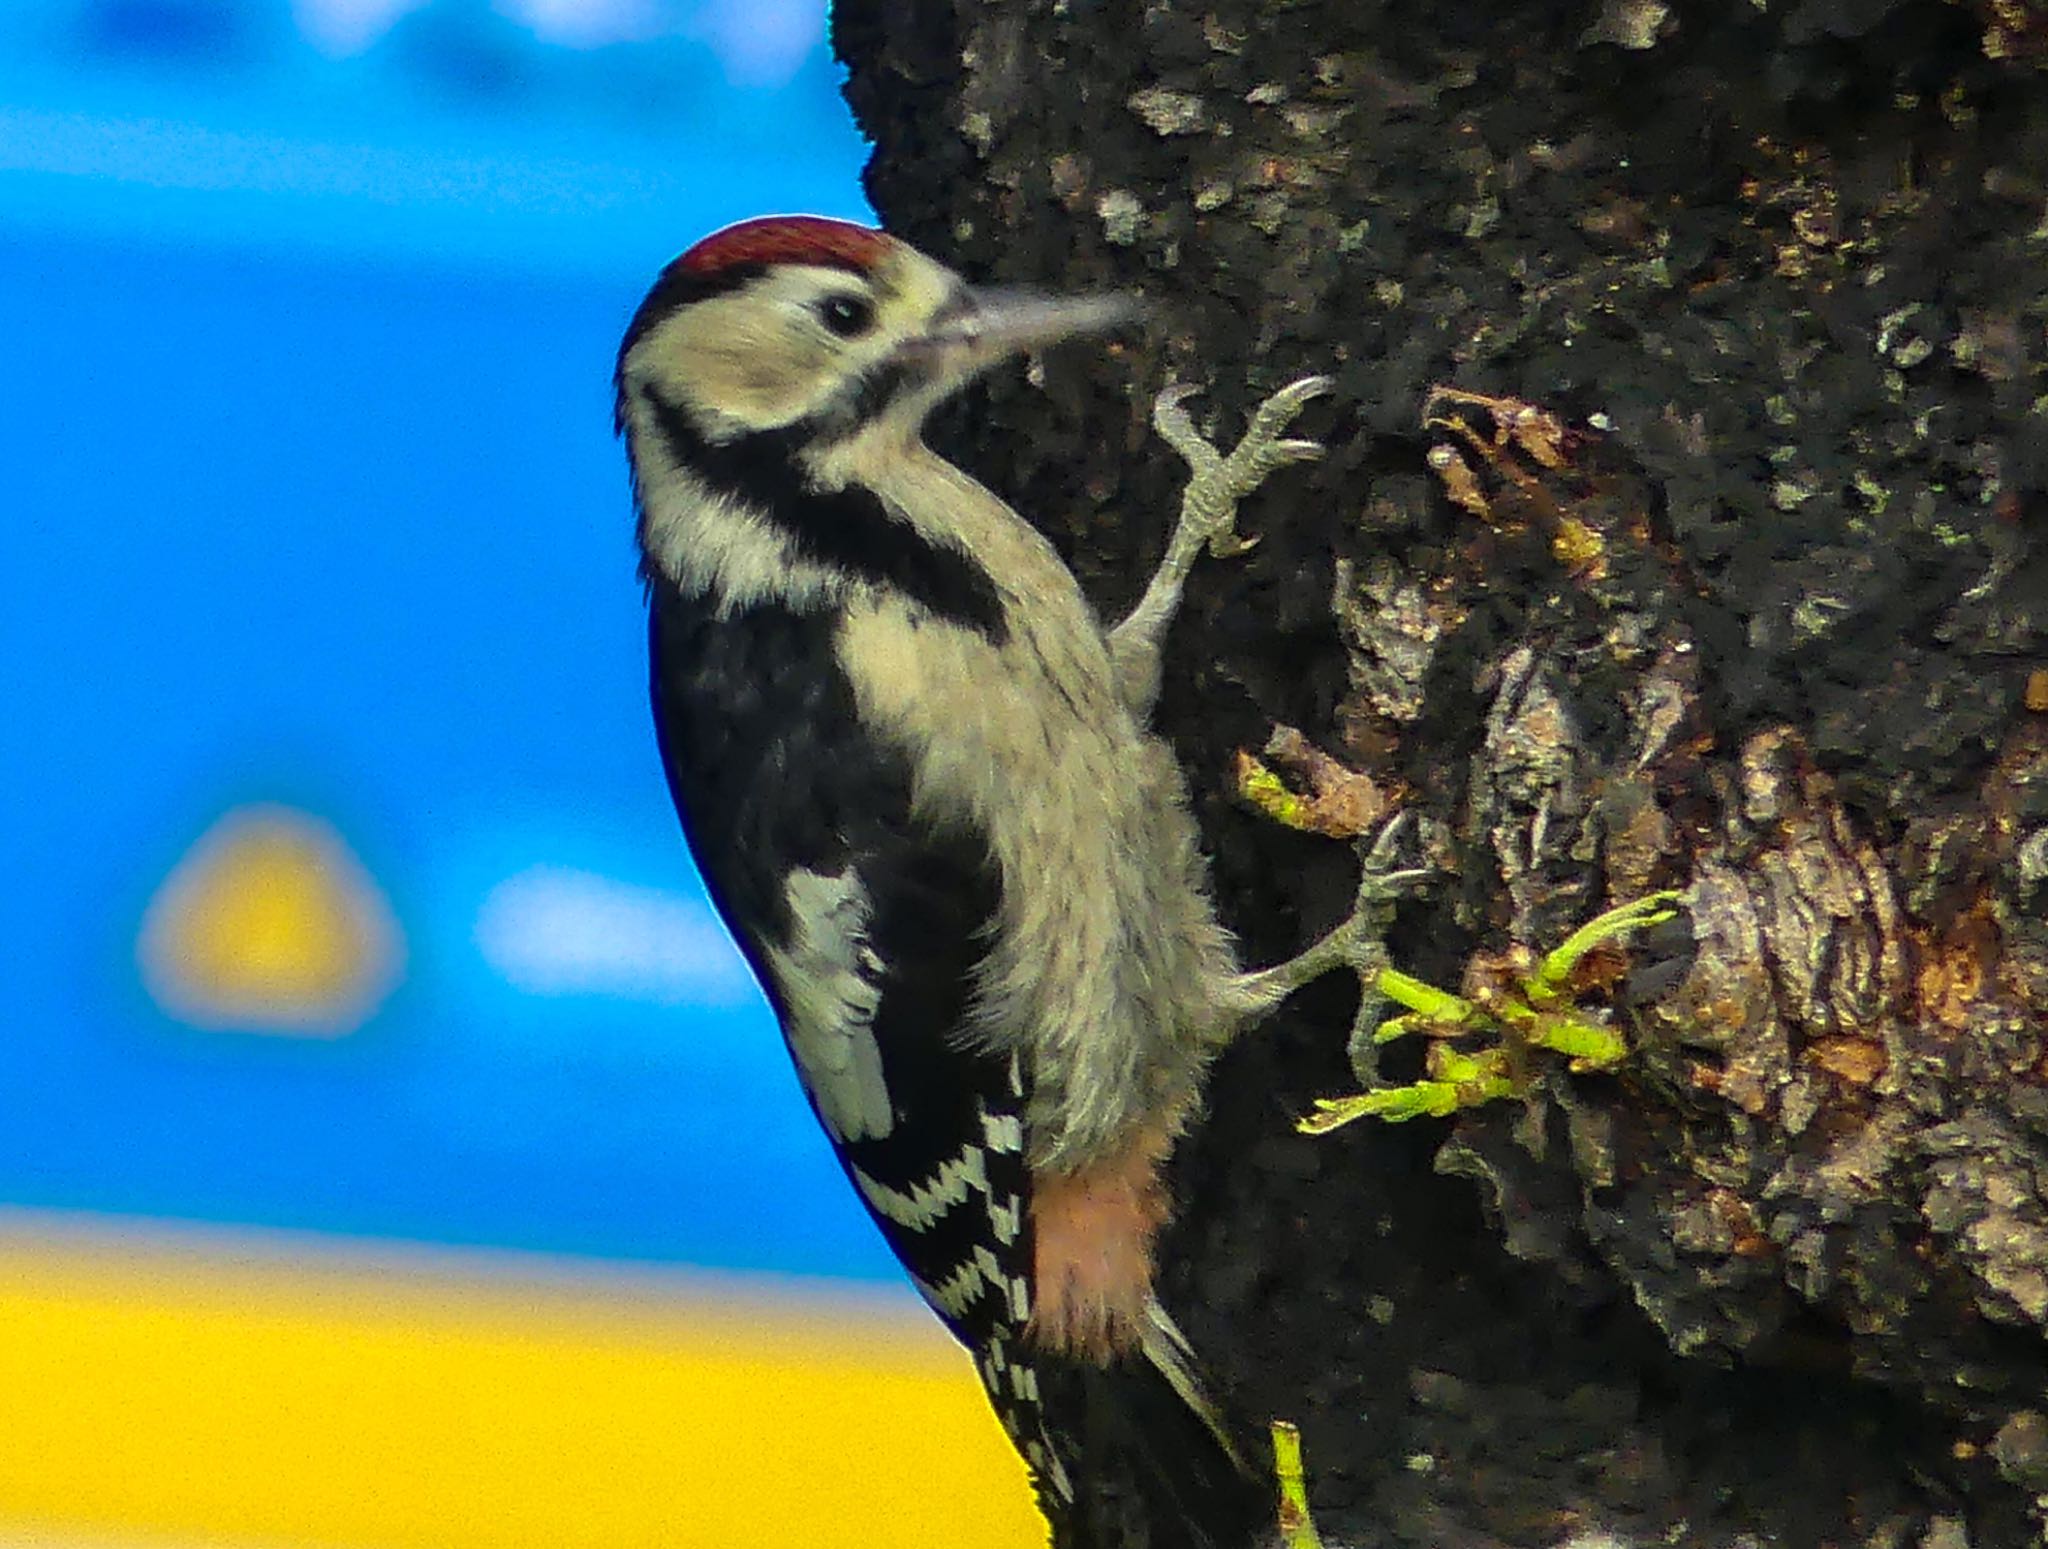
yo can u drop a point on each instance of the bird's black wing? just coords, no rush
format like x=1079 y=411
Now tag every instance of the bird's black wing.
x=864 y=927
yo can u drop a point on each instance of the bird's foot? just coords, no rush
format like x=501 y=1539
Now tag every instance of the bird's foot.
x=1527 y=1010
x=1208 y=511
x=1208 y=518
x=1354 y=944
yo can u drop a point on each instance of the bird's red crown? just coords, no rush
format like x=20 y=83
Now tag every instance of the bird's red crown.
x=786 y=239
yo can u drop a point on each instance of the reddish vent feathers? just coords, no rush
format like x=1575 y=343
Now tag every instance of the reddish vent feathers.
x=786 y=239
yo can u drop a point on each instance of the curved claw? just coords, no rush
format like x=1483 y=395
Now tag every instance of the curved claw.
x=1262 y=451
x=1278 y=411
x=1253 y=460
x=1171 y=397
x=1229 y=543
x=1175 y=426
x=1171 y=419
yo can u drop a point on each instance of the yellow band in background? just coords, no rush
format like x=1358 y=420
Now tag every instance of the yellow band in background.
x=196 y=1385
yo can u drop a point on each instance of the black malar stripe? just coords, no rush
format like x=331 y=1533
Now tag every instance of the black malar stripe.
x=847 y=529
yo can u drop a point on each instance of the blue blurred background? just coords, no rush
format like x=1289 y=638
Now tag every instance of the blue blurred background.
x=393 y=1151
x=315 y=540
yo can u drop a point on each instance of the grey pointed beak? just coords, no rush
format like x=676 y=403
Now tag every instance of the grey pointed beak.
x=980 y=327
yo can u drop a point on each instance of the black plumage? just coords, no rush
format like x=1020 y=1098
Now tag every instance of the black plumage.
x=770 y=773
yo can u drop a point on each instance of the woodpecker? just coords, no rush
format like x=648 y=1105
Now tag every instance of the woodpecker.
x=915 y=771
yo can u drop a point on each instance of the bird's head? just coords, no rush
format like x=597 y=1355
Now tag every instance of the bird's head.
x=822 y=328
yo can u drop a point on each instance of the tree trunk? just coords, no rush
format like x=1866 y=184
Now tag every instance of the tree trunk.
x=1722 y=565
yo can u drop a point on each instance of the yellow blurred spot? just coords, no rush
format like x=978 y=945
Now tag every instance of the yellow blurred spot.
x=270 y=925
x=217 y=1394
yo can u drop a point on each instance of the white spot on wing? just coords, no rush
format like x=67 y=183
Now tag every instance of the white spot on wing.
x=831 y=998
x=1007 y=1218
x=1003 y=1131
x=927 y=1201
x=1056 y=1475
x=955 y=1294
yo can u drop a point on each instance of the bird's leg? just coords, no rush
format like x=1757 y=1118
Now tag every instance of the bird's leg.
x=1208 y=517
x=1355 y=944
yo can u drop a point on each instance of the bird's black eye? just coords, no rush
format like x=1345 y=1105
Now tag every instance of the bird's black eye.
x=847 y=316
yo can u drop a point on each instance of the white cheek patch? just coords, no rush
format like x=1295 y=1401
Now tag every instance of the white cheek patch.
x=829 y=979
x=707 y=541
x=712 y=543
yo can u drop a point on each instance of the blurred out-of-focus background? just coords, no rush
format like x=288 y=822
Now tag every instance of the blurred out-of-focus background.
x=393 y=1150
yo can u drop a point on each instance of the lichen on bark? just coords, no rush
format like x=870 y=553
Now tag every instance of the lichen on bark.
x=1685 y=524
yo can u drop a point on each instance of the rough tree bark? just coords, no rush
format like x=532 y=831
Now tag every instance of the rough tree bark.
x=1738 y=583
